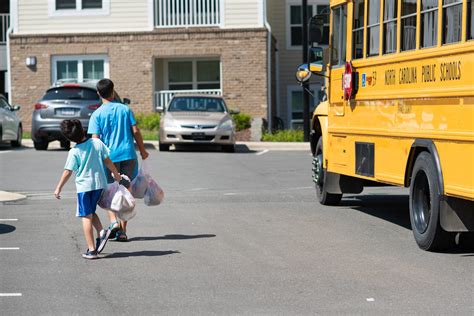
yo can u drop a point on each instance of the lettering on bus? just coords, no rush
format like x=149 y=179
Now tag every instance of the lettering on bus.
x=428 y=73
x=450 y=71
x=407 y=75
x=390 y=77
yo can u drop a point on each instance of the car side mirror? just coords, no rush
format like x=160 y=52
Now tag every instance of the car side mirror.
x=126 y=101
x=16 y=108
x=234 y=111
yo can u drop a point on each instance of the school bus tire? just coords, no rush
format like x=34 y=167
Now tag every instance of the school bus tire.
x=319 y=175
x=425 y=203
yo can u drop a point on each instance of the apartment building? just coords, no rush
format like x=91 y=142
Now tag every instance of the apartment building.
x=245 y=50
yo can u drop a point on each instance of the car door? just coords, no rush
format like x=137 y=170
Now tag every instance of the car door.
x=8 y=120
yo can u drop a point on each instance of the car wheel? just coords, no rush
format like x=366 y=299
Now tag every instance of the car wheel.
x=65 y=144
x=228 y=148
x=319 y=176
x=425 y=201
x=164 y=147
x=17 y=142
x=41 y=144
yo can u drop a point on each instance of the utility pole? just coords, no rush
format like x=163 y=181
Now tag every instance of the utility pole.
x=304 y=21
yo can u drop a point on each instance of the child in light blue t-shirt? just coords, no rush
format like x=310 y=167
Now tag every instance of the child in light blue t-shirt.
x=87 y=161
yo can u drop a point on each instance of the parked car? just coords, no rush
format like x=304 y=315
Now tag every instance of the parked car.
x=11 y=129
x=60 y=102
x=197 y=119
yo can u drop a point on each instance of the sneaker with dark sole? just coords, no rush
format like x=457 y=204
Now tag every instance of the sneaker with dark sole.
x=90 y=254
x=102 y=240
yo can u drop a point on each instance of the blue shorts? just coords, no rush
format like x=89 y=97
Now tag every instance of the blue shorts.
x=87 y=202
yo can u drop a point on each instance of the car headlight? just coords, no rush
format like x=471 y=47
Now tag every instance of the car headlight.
x=227 y=124
x=170 y=123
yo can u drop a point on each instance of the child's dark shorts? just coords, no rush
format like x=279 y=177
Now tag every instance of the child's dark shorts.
x=87 y=202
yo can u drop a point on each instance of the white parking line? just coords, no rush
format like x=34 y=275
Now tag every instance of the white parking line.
x=230 y=193
x=4 y=152
x=262 y=152
x=10 y=294
x=9 y=248
x=8 y=219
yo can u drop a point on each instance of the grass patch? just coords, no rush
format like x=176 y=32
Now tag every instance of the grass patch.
x=284 y=136
x=26 y=135
x=149 y=135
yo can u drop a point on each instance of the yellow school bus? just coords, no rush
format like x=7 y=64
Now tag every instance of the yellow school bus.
x=399 y=109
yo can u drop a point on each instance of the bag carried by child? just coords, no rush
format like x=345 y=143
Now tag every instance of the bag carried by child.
x=117 y=198
x=143 y=186
x=154 y=194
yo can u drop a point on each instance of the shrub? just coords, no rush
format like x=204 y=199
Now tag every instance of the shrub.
x=148 y=121
x=284 y=136
x=242 y=121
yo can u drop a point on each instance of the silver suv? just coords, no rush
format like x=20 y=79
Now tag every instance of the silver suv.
x=64 y=101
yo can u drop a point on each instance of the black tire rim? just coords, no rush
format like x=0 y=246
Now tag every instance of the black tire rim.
x=421 y=202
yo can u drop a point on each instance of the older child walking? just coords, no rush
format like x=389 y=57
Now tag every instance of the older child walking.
x=87 y=160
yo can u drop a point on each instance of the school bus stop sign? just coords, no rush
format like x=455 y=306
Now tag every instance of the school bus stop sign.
x=347 y=82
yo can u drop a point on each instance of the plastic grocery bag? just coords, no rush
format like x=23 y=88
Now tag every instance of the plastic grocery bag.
x=123 y=203
x=107 y=196
x=140 y=183
x=154 y=194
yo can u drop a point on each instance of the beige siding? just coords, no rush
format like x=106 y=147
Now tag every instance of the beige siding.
x=124 y=15
x=242 y=13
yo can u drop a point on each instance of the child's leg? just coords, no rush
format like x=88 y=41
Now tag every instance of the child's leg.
x=96 y=223
x=123 y=225
x=88 y=231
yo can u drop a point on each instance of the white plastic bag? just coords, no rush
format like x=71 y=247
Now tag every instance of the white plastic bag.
x=140 y=183
x=123 y=203
x=107 y=196
x=154 y=194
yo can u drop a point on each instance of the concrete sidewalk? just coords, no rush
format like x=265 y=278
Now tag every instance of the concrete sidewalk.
x=250 y=146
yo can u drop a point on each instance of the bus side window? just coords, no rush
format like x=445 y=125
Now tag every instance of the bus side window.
x=338 y=40
x=470 y=20
x=452 y=17
x=358 y=29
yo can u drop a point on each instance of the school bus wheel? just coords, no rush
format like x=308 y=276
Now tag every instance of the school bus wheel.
x=425 y=200
x=319 y=174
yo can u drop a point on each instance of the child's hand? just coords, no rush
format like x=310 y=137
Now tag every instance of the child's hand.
x=117 y=177
x=57 y=193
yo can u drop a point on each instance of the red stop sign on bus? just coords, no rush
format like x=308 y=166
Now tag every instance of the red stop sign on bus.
x=347 y=81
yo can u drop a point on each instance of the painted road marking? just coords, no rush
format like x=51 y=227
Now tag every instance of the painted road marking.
x=371 y=299
x=8 y=219
x=10 y=294
x=4 y=152
x=9 y=248
x=230 y=193
x=262 y=152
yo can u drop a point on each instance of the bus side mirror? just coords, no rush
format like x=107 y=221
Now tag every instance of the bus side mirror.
x=316 y=28
x=303 y=73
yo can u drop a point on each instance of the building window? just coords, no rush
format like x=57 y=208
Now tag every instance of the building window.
x=390 y=26
x=295 y=99
x=295 y=20
x=408 y=21
x=429 y=23
x=452 y=17
x=78 y=7
x=373 y=27
x=339 y=20
x=194 y=75
x=79 y=68
x=358 y=30
x=470 y=20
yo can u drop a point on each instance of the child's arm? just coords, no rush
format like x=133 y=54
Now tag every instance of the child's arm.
x=66 y=175
x=110 y=165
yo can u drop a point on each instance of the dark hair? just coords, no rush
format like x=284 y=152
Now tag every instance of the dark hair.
x=72 y=130
x=105 y=87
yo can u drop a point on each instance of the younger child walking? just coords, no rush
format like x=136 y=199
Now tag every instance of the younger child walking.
x=87 y=160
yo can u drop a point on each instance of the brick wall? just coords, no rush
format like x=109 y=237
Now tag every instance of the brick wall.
x=242 y=54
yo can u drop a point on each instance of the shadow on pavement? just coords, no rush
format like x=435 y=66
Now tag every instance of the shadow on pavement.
x=5 y=229
x=171 y=237
x=144 y=253
x=395 y=209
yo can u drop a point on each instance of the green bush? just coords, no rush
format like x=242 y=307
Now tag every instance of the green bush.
x=284 y=136
x=148 y=121
x=242 y=121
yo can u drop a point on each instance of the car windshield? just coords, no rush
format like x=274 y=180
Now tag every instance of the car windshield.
x=197 y=104
x=71 y=93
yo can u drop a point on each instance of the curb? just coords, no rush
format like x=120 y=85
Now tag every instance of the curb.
x=10 y=197
x=253 y=146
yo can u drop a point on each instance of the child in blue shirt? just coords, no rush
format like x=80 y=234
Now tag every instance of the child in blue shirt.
x=87 y=160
